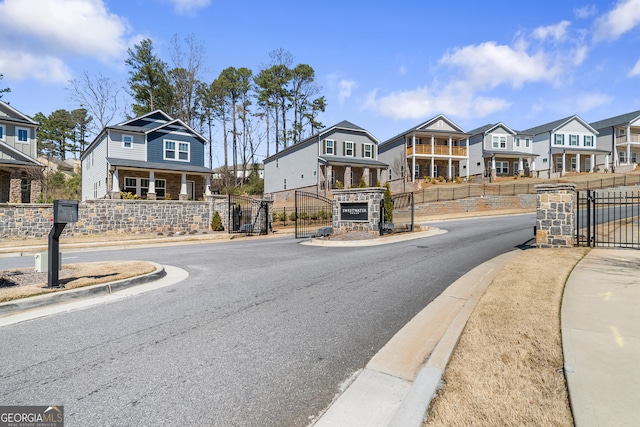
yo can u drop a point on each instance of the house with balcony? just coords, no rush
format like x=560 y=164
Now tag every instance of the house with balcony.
x=151 y=157
x=339 y=156
x=621 y=136
x=566 y=145
x=497 y=150
x=435 y=148
x=20 y=172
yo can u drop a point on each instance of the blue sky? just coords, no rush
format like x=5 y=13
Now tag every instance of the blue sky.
x=385 y=66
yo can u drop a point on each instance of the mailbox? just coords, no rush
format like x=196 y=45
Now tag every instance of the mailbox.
x=65 y=211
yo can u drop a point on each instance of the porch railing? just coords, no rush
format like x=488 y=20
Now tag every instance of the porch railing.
x=438 y=150
x=622 y=139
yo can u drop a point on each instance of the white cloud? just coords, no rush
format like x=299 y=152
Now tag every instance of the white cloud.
x=585 y=12
x=45 y=68
x=589 y=101
x=188 y=6
x=488 y=65
x=42 y=33
x=556 y=32
x=622 y=18
x=635 y=72
x=344 y=89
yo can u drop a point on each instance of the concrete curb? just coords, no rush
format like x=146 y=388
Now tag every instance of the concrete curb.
x=399 y=382
x=50 y=299
x=384 y=240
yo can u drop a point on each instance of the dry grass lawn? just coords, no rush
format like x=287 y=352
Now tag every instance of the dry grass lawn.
x=22 y=283
x=507 y=369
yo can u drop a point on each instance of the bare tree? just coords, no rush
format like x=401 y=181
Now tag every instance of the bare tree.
x=97 y=94
x=185 y=76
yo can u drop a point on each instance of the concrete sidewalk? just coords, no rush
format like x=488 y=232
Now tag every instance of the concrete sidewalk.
x=601 y=338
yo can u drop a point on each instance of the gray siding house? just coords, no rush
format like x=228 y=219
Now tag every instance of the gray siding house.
x=497 y=150
x=565 y=145
x=340 y=155
x=152 y=156
x=620 y=135
x=20 y=172
x=437 y=147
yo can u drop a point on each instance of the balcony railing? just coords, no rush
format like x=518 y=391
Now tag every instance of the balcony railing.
x=622 y=139
x=438 y=150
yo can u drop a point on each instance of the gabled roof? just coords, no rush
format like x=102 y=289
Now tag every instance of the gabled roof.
x=140 y=164
x=557 y=124
x=17 y=115
x=150 y=113
x=28 y=159
x=344 y=125
x=424 y=125
x=622 y=119
x=488 y=128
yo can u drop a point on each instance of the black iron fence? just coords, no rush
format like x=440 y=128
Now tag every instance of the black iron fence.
x=312 y=212
x=608 y=219
x=247 y=215
x=441 y=192
x=402 y=216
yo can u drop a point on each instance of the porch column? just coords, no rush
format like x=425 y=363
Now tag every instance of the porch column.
x=347 y=177
x=327 y=177
x=382 y=176
x=413 y=168
x=606 y=162
x=207 y=185
x=450 y=171
x=36 y=189
x=183 y=188
x=578 y=162
x=115 y=185
x=520 y=166
x=432 y=172
x=628 y=138
x=366 y=176
x=466 y=149
x=15 y=187
x=564 y=159
x=493 y=174
x=151 y=194
x=532 y=166
x=593 y=163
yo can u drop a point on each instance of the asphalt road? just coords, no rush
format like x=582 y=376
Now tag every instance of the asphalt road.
x=262 y=333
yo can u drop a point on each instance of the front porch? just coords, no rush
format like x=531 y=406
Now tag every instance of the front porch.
x=20 y=184
x=158 y=185
x=338 y=175
x=437 y=155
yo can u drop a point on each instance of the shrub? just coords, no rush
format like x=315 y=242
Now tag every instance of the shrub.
x=441 y=178
x=459 y=179
x=128 y=195
x=362 y=183
x=216 y=222
x=339 y=185
x=292 y=217
x=388 y=204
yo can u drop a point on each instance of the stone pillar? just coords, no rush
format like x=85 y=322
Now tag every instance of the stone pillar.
x=115 y=185
x=366 y=174
x=555 y=226
x=493 y=175
x=347 y=177
x=520 y=166
x=36 y=190
x=207 y=185
x=351 y=203
x=15 y=187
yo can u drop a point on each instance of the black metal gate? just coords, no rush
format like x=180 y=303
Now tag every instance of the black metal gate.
x=608 y=218
x=247 y=215
x=312 y=213
x=402 y=217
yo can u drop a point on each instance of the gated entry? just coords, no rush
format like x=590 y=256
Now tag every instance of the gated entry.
x=312 y=213
x=403 y=217
x=247 y=215
x=608 y=218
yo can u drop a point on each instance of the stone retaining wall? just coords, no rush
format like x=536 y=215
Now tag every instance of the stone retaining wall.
x=477 y=204
x=108 y=216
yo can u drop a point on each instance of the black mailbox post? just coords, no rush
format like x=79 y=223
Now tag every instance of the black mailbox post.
x=64 y=211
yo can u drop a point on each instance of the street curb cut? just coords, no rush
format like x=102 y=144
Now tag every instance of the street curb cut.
x=46 y=300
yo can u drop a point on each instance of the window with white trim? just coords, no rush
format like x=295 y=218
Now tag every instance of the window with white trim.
x=127 y=141
x=623 y=157
x=588 y=140
x=175 y=150
x=499 y=141
x=573 y=140
x=527 y=142
x=558 y=139
x=328 y=147
x=2 y=132
x=573 y=164
x=517 y=142
x=22 y=135
x=348 y=149
x=367 y=151
x=502 y=168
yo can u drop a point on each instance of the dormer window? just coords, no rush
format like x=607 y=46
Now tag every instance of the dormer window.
x=127 y=141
